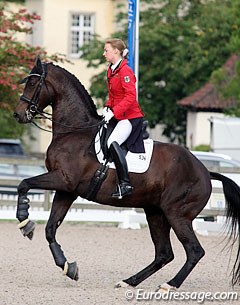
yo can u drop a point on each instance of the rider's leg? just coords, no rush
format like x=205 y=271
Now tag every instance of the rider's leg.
x=119 y=135
x=124 y=187
x=120 y=132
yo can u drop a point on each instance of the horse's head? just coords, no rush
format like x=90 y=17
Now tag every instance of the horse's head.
x=36 y=95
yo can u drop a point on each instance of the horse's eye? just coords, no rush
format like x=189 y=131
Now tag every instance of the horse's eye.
x=31 y=83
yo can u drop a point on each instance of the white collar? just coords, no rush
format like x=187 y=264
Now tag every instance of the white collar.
x=113 y=67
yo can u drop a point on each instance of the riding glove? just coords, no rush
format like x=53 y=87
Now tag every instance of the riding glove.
x=105 y=110
x=108 y=114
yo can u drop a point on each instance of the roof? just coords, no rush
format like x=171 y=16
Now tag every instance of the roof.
x=207 y=97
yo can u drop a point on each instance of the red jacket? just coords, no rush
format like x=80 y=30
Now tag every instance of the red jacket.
x=122 y=93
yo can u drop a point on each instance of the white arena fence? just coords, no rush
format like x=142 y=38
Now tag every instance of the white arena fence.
x=83 y=210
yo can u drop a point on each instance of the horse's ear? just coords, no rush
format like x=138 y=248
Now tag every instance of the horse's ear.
x=38 y=64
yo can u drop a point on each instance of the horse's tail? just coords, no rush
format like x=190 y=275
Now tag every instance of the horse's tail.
x=232 y=197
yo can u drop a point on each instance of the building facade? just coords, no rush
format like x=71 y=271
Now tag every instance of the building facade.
x=203 y=105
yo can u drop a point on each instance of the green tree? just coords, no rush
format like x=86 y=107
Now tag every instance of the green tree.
x=227 y=82
x=181 y=43
x=16 y=60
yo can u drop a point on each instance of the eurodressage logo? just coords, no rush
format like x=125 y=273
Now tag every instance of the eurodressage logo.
x=200 y=297
x=126 y=79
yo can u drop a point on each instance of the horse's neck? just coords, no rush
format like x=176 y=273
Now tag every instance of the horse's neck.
x=72 y=106
x=70 y=110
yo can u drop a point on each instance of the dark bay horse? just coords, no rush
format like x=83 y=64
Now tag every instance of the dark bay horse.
x=172 y=192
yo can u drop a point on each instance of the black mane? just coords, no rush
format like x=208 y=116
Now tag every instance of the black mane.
x=86 y=98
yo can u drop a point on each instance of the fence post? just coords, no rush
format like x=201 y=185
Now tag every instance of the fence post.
x=46 y=203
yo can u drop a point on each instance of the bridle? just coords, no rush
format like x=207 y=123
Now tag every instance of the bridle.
x=33 y=103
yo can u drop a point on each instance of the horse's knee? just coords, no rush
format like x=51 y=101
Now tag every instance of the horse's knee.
x=50 y=233
x=23 y=187
x=50 y=230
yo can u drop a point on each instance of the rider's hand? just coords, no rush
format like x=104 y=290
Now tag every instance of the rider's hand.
x=105 y=109
x=108 y=114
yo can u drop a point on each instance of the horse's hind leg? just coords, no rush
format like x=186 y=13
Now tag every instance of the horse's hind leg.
x=159 y=230
x=194 y=252
x=61 y=204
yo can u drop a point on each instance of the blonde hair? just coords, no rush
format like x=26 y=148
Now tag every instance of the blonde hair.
x=118 y=44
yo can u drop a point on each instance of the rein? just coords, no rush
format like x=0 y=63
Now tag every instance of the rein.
x=43 y=114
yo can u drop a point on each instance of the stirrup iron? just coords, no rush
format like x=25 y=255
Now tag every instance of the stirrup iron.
x=124 y=189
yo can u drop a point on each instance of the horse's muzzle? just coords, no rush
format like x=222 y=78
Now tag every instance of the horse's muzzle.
x=16 y=116
x=22 y=118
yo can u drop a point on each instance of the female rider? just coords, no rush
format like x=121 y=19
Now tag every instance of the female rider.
x=123 y=106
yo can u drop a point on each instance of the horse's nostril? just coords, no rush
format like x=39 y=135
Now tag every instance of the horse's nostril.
x=15 y=115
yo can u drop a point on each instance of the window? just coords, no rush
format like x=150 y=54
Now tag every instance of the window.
x=82 y=29
x=209 y=163
x=10 y=149
x=225 y=164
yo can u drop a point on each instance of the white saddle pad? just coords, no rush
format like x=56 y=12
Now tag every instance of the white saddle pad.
x=137 y=162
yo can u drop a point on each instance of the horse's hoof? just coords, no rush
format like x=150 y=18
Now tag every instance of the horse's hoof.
x=72 y=271
x=121 y=284
x=28 y=229
x=165 y=287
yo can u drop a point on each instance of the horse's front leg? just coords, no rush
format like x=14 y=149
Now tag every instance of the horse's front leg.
x=61 y=204
x=47 y=181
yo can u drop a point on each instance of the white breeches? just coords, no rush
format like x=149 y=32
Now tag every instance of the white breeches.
x=120 y=133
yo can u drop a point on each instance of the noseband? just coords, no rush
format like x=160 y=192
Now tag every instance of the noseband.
x=33 y=102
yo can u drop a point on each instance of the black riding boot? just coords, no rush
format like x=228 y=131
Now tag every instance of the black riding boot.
x=124 y=187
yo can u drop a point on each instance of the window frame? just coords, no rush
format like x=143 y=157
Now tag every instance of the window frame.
x=81 y=29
